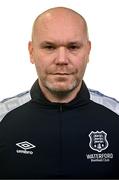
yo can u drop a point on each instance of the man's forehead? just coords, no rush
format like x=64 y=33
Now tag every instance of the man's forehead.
x=60 y=35
x=59 y=26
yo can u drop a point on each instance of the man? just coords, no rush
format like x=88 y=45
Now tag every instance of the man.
x=60 y=132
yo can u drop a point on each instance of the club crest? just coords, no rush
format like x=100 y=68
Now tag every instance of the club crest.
x=98 y=141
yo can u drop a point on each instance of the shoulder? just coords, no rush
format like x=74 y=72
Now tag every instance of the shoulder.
x=11 y=103
x=20 y=113
x=102 y=114
x=109 y=102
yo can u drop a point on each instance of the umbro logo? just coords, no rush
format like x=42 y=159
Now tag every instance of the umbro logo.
x=25 y=146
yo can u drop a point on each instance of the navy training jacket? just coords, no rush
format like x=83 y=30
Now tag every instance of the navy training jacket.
x=48 y=140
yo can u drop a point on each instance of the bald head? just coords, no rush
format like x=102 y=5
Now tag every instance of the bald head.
x=62 y=16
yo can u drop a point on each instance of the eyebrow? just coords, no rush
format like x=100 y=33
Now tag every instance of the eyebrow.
x=65 y=44
x=47 y=43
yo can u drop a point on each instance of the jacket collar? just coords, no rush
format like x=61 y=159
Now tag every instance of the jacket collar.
x=37 y=96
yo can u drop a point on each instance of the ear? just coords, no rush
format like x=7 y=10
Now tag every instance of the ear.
x=89 y=49
x=30 y=49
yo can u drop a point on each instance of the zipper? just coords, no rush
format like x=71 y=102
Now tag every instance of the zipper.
x=60 y=172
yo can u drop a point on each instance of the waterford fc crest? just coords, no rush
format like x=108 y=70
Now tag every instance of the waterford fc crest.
x=98 y=141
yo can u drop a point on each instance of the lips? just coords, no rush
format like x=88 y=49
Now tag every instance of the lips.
x=61 y=73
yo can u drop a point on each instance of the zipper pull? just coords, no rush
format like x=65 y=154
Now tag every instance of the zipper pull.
x=61 y=108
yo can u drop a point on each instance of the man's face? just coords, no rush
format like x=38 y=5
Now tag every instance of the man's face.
x=60 y=51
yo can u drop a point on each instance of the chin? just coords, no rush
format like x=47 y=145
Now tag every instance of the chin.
x=62 y=87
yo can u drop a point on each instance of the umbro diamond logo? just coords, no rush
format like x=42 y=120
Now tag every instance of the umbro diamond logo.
x=25 y=146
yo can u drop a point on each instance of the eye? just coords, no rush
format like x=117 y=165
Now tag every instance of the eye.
x=73 y=47
x=49 y=47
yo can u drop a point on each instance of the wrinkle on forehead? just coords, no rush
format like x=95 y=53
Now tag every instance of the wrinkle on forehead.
x=59 y=15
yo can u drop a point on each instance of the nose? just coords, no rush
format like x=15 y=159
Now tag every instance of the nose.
x=62 y=57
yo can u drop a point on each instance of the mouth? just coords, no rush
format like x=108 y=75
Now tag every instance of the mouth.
x=62 y=74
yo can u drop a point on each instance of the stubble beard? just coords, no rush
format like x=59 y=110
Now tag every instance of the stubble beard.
x=61 y=93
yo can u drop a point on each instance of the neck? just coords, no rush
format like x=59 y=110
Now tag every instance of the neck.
x=60 y=97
